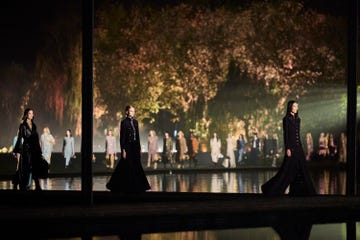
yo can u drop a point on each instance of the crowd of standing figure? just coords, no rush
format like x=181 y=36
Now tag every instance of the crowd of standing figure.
x=329 y=147
x=177 y=151
x=182 y=150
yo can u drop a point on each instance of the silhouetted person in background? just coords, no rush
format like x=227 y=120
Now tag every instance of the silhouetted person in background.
x=129 y=175
x=255 y=149
x=241 y=147
x=167 y=155
x=47 y=142
x=293 y=170
x=152 y=149
x=193 y=149
x=68 y=147
x=110 y=149
x=215 y=147
x=181 y=149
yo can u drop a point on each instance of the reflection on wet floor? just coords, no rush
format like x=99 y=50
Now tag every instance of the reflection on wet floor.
x=318 y=231
x=326 y=182
x=333 y=231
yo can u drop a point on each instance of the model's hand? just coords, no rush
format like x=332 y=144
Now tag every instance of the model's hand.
x=124 y=154
x=288 y=152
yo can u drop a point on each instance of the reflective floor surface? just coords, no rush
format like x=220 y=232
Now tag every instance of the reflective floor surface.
x=326 y=182
x=247 y=181
x=318 y=231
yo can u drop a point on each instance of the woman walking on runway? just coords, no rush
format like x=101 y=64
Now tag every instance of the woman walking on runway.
x=293 y=170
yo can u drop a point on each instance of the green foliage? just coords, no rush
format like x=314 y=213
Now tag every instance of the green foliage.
x=178 y=57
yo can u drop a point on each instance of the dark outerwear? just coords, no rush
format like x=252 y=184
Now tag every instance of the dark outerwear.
x=167 y=148
x=292 y=229
x=129 y=175
x=293 y=170
x=28 y=146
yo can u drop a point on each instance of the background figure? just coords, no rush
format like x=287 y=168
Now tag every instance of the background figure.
x=267 y=147
x=152 y=149
x=342 y=147
x=333 y=149
x=255 y=149
x=28 y=151
x=14 y=141
x=129 y=175
x=293 y=170
x=193 y=149
x=110 y=149
x=167 y=156
x=241 y=147
x=322 y=146
x=181 y=149
x=68 y=147
x=15 y=179
x=47 y=142
x=230 y=147
x=309 y=146
x=274 y=149
x=215 y=147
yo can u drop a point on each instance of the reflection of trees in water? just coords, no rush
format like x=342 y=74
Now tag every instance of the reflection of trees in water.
x=326 y=181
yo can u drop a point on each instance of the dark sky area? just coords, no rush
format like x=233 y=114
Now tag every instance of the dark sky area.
x=22 y=23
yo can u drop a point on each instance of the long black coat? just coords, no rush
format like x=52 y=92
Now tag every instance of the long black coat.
x=293 y=170
x=28 y=146
x=129 y=175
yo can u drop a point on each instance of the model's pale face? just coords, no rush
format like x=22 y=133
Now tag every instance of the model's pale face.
x=294 y=108
x=30 y=115
x=131 y=112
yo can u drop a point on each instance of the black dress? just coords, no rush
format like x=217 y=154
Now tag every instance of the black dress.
x=129 y=175
x=28 y=146
x=293 y=170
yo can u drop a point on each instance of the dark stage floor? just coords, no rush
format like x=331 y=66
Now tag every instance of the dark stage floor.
x=188 y=200
x=64 y=214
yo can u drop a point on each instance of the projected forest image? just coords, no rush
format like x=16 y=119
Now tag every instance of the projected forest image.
x=201 y=66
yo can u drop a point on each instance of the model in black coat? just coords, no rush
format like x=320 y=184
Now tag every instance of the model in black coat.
x=129 y=175
x=28 y=152
x=293 y=170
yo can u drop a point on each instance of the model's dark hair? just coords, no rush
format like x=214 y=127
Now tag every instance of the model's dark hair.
x=289 y=106
x=69 y=132
x=127 y=108
x=26 y=112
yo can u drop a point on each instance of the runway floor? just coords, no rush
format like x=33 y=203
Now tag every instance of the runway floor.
x=211 y=205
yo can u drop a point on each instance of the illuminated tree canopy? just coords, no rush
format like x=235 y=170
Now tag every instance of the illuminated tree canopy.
x=177 y=58
x=205 y=66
